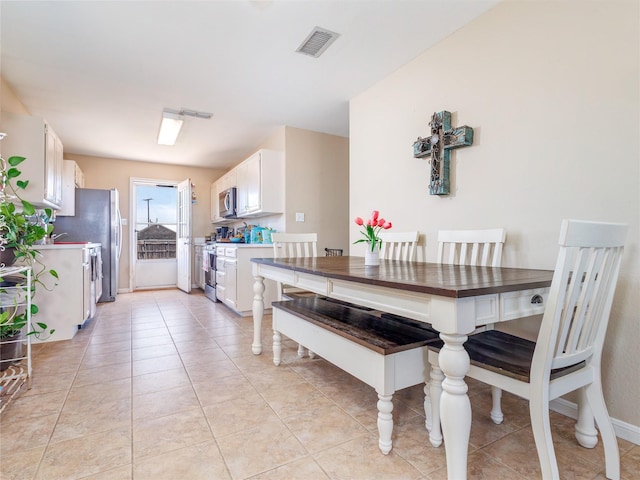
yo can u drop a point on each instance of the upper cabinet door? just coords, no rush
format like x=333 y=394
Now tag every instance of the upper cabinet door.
x=32 y=138
x=53 y=163
x=261 y=184
x=249 y=185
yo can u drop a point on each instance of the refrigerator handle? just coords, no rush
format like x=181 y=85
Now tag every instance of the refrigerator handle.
x=119 y=242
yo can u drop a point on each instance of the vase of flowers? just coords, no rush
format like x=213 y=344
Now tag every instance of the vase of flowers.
x=370 y=236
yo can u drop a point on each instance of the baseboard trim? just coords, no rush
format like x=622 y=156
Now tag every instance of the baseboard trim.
x=624 y=430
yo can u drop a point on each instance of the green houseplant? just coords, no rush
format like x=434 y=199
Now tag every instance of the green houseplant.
x=21 y=227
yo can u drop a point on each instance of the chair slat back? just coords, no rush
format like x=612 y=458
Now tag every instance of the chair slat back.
x=471 y=247
x=577 y=312
x=295 y=245
x=399 y=245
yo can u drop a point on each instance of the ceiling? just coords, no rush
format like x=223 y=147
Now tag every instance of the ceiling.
x=101 y=72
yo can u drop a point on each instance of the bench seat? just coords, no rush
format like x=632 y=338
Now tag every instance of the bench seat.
x=387 y=353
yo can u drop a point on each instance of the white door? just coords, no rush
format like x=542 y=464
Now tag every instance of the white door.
x=154 y=212
x=183 y=240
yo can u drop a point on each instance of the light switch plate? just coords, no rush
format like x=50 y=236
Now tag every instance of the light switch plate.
x=299 y=217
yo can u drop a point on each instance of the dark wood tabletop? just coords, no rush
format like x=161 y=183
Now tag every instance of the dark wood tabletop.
x=456 y=281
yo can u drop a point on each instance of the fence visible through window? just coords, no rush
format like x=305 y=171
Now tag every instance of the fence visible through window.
x=156 y=222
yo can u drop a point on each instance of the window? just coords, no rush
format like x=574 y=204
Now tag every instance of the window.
x=156 y=221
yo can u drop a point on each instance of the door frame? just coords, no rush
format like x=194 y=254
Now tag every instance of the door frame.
x=133 y=251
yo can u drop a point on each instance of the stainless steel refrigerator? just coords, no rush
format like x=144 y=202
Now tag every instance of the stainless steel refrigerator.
x=97 y=219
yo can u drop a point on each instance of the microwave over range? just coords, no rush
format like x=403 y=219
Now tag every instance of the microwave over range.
x=227 y=203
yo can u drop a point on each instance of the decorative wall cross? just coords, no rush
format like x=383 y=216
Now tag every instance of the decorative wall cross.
x=438 y=145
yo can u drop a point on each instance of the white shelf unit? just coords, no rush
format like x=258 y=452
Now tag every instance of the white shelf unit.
x=19 y=370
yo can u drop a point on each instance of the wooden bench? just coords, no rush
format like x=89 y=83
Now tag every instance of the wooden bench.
x=387 y=352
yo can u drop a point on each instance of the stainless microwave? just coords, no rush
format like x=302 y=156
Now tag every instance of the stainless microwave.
x=227 y=203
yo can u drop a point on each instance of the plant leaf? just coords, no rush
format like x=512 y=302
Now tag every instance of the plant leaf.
x=15 y=160
x=53 y=273
x=27 y=208
x=13 y=173
x=22 y=183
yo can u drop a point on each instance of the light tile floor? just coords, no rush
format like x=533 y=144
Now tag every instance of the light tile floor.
x=163 y=385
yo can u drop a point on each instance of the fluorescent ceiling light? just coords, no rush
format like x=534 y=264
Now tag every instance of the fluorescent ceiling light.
x=170 y=128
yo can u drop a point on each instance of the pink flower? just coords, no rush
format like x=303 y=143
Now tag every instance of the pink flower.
x=371 y=230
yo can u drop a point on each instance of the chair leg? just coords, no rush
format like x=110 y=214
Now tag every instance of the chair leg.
x=435 y=392
x=385 y=422
x=277 y=347
x=594 y=396
x=301 y=350
x=539 y=411
x=496 y=410
x=585 y=430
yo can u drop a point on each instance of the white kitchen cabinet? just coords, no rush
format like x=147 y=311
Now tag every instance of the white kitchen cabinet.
x=215 y=210
x=66 y=306
x=72 y=178
x=34 y=139
x=234 y=277
x=261 y=184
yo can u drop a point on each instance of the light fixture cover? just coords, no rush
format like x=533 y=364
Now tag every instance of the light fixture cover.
x=170 y=128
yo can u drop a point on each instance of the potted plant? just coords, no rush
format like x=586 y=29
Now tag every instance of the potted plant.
x=21 y=227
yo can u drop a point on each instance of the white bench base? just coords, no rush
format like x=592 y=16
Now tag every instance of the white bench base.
x=385 y=373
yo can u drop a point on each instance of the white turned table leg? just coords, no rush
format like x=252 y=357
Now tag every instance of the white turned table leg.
x=385 y=422
x=258 y=313
x=496 y=410
x=585 y=430
x=427 y=406
x=455 y=408
x=435 y=392
x=277 y=347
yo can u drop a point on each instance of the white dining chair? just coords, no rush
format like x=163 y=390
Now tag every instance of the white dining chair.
x=471 y=247
x=294 y=245
x=398 y=245
x=567 y=353
x=462 y=247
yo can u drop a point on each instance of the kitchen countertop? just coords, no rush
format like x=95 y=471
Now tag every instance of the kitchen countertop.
x=243 y=245
x=63 y=245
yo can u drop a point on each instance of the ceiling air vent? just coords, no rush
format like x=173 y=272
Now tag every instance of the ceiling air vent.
x=317 y=42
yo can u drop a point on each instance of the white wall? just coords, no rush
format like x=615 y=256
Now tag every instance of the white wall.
x=552 y=92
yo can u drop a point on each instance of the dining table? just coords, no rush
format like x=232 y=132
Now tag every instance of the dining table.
x=454 y=299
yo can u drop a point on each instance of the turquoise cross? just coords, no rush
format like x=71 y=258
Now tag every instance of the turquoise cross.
x=438 y=145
